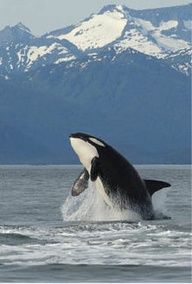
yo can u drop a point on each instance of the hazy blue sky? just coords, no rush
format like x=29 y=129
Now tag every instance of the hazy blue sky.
x=45 y=15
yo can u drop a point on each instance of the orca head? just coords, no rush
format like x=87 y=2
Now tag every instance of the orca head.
x=86 y=147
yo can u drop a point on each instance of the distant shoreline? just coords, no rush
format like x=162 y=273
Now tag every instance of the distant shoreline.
x=80 y=166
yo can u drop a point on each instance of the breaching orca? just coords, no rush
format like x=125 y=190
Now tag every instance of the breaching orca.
x=115 y=178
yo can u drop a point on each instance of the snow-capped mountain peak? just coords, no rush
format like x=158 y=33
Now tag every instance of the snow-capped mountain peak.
x=164 y=33
x=98 y=30
x=114 y=8
x=127 y=28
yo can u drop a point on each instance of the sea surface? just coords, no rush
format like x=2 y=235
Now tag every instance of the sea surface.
x=46 y=235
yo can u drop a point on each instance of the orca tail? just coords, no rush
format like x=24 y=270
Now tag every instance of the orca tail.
x=155 y=185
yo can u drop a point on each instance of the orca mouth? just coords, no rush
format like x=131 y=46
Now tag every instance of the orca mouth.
x=81 y=136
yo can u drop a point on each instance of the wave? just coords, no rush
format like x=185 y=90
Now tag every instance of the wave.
x=14 y=239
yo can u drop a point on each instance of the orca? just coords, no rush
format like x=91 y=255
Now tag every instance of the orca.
x=115 y=178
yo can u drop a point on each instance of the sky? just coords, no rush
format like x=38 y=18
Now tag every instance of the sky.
x=42 y=16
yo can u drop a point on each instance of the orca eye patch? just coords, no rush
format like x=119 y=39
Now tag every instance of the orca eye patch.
x=94 y=140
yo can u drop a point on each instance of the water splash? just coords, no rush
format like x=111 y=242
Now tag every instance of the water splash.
x=89 y=206
x=159 y=204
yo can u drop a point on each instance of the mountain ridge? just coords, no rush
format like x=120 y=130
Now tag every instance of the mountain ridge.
x=120 y=91
x=135 y=33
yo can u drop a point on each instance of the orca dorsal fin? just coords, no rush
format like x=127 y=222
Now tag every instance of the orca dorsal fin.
x=155 y=185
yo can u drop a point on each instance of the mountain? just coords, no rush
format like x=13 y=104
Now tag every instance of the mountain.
x=18 y=33
x=180 y=60
x=110 y=75
x=25 y=55
x=154 y=32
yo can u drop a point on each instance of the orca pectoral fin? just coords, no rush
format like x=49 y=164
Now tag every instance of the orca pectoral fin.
x=155 y=185
x=94 y=169
x=81 y=183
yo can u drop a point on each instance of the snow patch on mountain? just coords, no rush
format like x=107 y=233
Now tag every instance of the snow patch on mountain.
x=168 y=43
x=150 y=40
x=64 y=59
x=168 y=25
x=34 y=52
x=181 y=61
x=29 y=55
x=97 y=31
x=138 y=39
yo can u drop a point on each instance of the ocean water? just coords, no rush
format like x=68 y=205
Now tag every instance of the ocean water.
x=46 y=235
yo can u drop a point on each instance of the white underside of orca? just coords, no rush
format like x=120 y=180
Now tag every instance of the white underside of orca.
x=101 y=190
x=86 y=152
